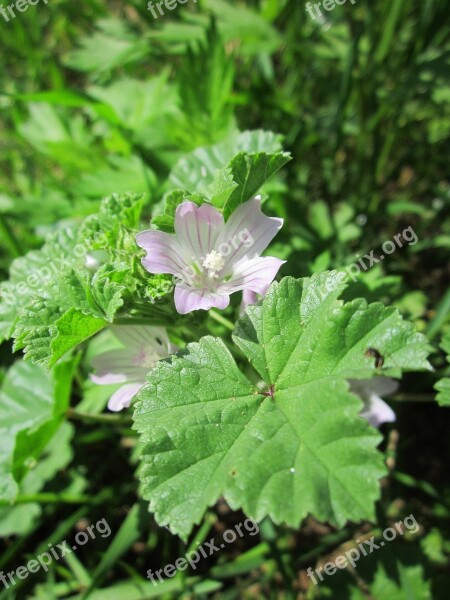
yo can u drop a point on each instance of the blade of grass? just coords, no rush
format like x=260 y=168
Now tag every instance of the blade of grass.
x=122 y=542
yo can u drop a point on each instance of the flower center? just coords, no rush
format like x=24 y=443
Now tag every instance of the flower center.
x=214 y=262
x=145 y=358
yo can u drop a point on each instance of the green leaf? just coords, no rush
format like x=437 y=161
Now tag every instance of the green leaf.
x=443 y=386
x=33 y=273
x=197 y=171
x=120 y=175
x=207 y=111
x=73 y=328
x=293 y=444
x=250 y=172
x=394 y=572
x=246 y=27
x=78 y=309
x=227 y=178
x=53 y=302
x=32 y=406
x=170 y=202
x=112 y=45
x=56 y=455
x=222 y=187
x=135 y=103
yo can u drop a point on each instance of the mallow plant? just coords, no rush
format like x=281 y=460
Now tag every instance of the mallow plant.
x=279 y=418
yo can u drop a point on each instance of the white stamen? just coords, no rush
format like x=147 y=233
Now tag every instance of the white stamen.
x=214 y=262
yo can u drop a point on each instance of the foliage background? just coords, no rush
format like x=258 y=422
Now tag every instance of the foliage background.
x=98 y=98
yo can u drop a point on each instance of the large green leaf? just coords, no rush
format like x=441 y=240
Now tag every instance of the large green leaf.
x=286 y=447
x=32 y=407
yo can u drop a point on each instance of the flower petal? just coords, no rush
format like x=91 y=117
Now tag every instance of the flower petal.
x=189 y=299
x=116 y=366
x=247 y=233
x=164 y=254
x=123 y=397
x=253 y=275
x=383 y=386
x=197 y=228
x=380 y=386
x=248 y=298
x=377 y=412
x=133 y=337
x=108 y=378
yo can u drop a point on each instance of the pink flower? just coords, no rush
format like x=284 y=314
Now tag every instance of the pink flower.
x=375 y=410
x=143 y=346
x=211 y=259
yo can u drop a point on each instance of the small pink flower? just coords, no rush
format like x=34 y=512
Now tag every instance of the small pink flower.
x=375 y=410
x=143 y=346
x=211 y=259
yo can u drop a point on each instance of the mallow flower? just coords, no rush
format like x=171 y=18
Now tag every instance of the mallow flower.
x=211 y=259
x=143 y=346
x=375 y=410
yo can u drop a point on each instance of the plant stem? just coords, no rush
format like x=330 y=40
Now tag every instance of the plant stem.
x=48 y=498
x=91 y=418
x=10 y=240
x=221 y=319
x=413 y=398
x=441 y=315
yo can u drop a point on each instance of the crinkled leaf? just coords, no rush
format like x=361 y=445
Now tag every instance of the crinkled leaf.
x=250 y=172
x=33 y=273
x=53 y=302
x=198 y=170
x=75 y=310
x=228 y=179
x=293 y=445
x=73 y=328
x=222 y=187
